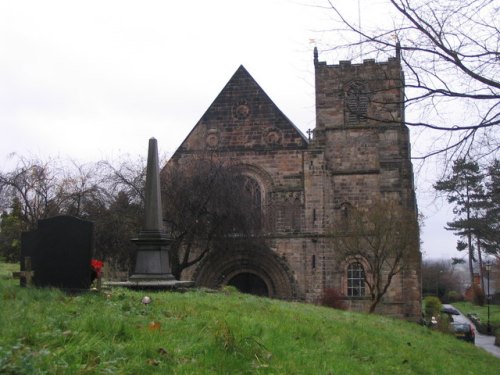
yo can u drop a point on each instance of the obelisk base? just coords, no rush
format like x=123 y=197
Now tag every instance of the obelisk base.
x=151 y=262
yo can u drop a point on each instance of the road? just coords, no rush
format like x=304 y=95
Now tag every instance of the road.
x=483 y=341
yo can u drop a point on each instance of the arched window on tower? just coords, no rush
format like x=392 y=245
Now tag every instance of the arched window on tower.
x=355 y=280
x=356 y=103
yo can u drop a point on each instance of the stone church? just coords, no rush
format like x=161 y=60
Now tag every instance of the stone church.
x=359 y=151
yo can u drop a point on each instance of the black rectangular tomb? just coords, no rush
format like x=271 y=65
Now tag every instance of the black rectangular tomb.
x=61 y=251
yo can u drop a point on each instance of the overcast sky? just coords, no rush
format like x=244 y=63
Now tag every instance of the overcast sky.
x=96 y=79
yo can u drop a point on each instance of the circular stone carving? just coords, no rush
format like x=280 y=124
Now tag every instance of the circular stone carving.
x=241 y=110
x=212 y=140
x=273 y=137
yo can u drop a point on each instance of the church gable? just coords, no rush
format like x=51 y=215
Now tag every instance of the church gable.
x=243 y=117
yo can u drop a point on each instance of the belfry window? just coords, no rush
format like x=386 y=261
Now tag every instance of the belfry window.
x=356 y=103
x=355 y=280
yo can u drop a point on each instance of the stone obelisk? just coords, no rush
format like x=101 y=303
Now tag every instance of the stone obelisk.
x=151 y=261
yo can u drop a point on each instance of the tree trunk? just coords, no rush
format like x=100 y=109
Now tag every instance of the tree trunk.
x=469 y=242
x=471 y=256
x=480 y=259
x=374 y=304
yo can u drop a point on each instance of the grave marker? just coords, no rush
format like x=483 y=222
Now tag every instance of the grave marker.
x=61 y=250
x=26 y=275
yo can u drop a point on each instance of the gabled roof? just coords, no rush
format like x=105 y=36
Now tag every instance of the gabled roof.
x=243 y=117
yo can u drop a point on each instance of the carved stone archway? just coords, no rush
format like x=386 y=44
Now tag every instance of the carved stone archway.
x=266 y=268
x=249 y=282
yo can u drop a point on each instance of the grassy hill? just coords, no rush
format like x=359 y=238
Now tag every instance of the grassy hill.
x=46 y=331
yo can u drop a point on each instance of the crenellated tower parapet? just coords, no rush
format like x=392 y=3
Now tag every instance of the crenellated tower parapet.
x=366 y=94
x=360 y=127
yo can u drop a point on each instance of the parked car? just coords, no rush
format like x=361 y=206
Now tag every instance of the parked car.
x=463 y=331
x=450 y=310
x=474 y=317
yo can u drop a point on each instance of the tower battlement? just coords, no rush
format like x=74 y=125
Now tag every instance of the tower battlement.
x=363 y=94
x=396 y=60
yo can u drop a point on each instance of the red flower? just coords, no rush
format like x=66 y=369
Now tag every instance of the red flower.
x=97 y=266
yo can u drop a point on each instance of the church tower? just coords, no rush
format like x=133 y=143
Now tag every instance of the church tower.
x=360 y=154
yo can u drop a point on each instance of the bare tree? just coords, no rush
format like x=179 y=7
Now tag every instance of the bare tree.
x=384 y=238
x=449 y=52
x=206 y=202
x=80 y=184
x=116 y=208
x=50 y=187
x=36 y=184
x=125 y=175
x=108 y=195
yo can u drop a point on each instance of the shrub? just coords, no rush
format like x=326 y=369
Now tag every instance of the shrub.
x=432 y=306
x=333 y=298
x=454 y=296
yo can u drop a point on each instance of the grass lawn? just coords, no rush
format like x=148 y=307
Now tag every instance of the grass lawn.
x=6 y=270
x=44 y=331
x=481 y=311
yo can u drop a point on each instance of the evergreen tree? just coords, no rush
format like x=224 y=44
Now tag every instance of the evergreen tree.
x=491 y=219
x=115 y=225
x=464 y=189
x=11 y=226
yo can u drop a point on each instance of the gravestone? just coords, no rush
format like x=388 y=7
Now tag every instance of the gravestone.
x=28 y=246
x=26 y=274
x=61 y=251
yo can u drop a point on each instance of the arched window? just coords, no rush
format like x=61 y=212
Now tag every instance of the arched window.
x=253 y=189
x=355 y=280
x=252 y=202
x=356 y=101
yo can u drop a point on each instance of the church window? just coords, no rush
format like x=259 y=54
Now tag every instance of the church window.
x=253 y=189
x=253 y=199
x=356 y=103
x=355 y=280
x=345 y=213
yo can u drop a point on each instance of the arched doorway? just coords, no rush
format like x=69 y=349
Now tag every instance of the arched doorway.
x=250 y=268
x=249 y=283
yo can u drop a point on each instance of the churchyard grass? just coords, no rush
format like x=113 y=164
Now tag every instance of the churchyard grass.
x=197 y=332
x=481 y=311
x=6 y=270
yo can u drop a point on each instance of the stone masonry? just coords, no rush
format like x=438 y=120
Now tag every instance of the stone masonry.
x=359 y=152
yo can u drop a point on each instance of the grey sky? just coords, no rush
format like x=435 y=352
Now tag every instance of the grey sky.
x=94 y=79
